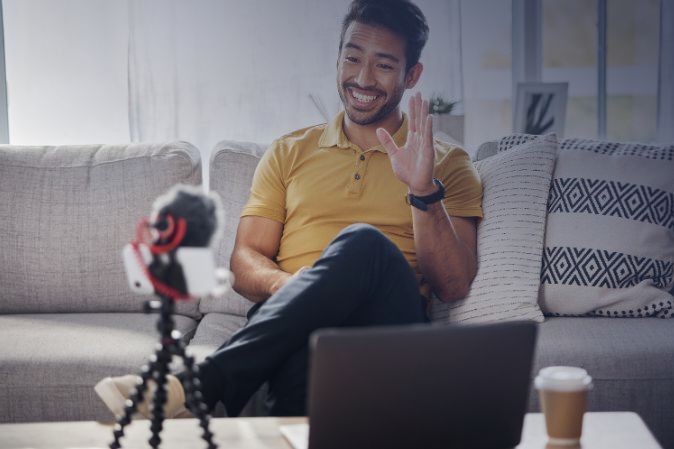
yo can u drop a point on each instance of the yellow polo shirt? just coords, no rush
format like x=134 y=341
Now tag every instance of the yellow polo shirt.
x=316 y=182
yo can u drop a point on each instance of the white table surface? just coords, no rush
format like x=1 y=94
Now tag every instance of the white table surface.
x=615 y=430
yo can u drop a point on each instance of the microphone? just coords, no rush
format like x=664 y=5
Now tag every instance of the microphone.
x=172 y=255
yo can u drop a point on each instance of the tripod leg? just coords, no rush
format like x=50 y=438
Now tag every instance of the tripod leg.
x=131 y=408
x=193 y=396
x=162 y=368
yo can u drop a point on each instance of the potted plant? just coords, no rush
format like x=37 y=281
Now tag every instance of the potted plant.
x=446 y=126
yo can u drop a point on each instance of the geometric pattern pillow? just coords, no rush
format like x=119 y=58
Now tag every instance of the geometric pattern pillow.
x=510 y=237
x=609 y=246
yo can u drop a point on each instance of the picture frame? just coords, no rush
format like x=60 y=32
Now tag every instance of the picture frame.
x=540 y=108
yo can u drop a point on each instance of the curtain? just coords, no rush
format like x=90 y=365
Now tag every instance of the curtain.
x=217 y=70
x=254 y=70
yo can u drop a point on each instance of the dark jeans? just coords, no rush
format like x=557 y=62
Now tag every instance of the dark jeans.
x=361 y=279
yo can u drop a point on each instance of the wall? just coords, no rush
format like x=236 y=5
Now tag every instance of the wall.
x=66 y=71
x=83 y=71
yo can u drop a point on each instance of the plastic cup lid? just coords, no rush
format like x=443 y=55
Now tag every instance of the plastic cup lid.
x=563 y=378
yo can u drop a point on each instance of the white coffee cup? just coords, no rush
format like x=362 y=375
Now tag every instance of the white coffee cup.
x=563 y=395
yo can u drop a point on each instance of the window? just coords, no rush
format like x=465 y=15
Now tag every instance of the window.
x=569 y=54
x=571 y=49
x=487 y=70
x=632 y=46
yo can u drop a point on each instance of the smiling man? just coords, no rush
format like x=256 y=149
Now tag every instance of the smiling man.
x=349 y=223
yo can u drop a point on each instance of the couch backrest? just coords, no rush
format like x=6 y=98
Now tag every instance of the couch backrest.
x=67 y=211
x=232 y=166
x=231 y=172
x=487 y=149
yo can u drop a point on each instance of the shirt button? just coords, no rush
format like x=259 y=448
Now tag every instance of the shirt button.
x=357 y=177
x=362 y=157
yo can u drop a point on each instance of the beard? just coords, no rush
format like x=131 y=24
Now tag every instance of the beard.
x=361 y=117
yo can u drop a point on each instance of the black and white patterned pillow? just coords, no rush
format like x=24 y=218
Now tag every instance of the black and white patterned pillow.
x=609 y=245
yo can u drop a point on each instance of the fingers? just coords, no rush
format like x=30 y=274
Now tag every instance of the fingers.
x=387 y=141
x=428 y=131
x=423 y=113
x=298 y=272
x=413 y=113
x=418 y=109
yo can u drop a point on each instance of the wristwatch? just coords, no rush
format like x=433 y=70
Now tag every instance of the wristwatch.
x=422 y=202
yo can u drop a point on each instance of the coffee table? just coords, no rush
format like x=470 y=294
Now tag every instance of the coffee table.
x=601 y=430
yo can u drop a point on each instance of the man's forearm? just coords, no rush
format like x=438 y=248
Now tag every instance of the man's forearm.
x=256 y=277
x=447 y=262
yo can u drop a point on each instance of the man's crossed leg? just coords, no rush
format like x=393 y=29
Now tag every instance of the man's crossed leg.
x=361 y=279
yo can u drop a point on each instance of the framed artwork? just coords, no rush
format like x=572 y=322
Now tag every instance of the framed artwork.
x=540 y=108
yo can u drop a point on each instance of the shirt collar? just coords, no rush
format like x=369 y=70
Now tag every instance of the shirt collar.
x=333 y=135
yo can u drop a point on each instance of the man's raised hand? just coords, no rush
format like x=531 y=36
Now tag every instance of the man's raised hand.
x=413 y=163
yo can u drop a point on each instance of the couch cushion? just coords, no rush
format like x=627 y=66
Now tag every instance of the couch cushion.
x=67 y=211
x=630 y=360
x=231 y=174
x=510 y=237
x=625 y=348
x=214 y=329
x=50 y=362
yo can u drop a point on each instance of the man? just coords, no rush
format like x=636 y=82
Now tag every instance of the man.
x=346 y=224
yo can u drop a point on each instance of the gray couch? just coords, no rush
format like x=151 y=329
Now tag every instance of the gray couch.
x=67 y=318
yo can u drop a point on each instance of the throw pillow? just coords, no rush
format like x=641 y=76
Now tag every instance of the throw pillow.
x=510 y=237
x=609 y=247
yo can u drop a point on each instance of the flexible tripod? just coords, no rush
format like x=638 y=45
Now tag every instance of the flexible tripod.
x=171 y=345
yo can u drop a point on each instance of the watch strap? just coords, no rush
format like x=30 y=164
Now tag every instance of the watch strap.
x=422 y=202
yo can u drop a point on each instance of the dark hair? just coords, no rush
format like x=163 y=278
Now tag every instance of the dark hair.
x=402 y=17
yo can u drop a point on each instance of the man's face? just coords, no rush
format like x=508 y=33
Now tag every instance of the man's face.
x=371 y=76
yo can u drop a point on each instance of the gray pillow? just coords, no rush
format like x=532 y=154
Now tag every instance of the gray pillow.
x=510 y=237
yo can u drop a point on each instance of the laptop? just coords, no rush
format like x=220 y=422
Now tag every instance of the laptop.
x=419 y=386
